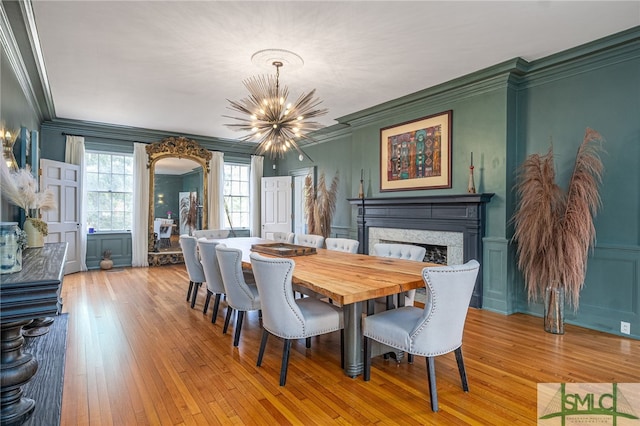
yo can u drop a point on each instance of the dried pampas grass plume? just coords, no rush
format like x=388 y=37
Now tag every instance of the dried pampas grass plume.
x=320 y=204
x=20 y=188
x=554 y=230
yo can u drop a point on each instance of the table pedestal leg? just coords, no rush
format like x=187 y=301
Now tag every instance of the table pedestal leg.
x=17 y=369
x=353 y=356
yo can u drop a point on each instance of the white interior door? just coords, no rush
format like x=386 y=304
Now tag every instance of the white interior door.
x=275 y=211
x=64 y=221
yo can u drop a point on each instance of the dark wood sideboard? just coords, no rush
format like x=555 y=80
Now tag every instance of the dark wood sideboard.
x=31 y=293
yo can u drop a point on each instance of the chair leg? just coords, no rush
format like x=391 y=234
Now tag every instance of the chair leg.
x=206 y=302
x=431 y=375
x=216 y=305
x=342 y=348
x=285 y=361
x=195 y=294
x=227 y=319
x=263 y=345
x=410 y=358
x=239 y=318
x=189 y=291
x=461 y=369
x=307 y=342
x=366 y=375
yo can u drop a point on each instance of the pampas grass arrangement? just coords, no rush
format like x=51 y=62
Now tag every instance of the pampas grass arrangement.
x=189 y=211
x=320 y=204
x=554 y=229
x=20 y=188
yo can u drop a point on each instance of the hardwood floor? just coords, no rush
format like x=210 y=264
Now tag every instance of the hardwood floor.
x=138 y=354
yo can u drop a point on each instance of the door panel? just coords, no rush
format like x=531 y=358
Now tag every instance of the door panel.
x=276 y=205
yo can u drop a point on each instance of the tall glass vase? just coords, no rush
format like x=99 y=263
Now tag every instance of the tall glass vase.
x=554 y=310
x=10 y=248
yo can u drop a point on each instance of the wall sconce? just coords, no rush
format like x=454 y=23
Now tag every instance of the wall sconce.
x=7 y=150
x=160 y=198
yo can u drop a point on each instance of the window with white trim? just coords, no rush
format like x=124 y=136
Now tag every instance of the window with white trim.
x=236 y=195
x=109 y=180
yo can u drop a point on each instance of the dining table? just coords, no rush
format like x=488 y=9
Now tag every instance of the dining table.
x=349 y=280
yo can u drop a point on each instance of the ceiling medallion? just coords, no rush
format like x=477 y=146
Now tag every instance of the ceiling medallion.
x=274 y=124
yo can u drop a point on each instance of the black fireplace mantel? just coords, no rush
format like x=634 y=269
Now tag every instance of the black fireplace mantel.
x=464 y=213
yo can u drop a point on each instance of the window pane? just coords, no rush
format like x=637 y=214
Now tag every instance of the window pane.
x=105 y=163
x=117 y=164
x=91 y=162
x=117 y=182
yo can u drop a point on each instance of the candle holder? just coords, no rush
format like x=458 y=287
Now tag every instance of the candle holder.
x=471 y=188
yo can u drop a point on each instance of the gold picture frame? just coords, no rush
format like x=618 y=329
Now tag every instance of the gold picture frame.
x=416 y=154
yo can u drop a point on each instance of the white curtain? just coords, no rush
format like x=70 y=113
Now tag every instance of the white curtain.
x=140 y=228
x=216 y=191
x=255 y=191
x=74 y=154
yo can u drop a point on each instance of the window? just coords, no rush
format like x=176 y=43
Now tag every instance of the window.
x=109 y=191
x=236 y=195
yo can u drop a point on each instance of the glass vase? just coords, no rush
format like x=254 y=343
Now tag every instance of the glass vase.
x=554 y=310
x=10 y=249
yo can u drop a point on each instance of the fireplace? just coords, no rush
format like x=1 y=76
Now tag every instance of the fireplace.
x=456 y=222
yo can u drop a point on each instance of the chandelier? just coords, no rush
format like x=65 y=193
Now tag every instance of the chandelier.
x=274 y=124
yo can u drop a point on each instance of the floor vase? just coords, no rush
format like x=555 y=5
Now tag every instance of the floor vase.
x=554 y=310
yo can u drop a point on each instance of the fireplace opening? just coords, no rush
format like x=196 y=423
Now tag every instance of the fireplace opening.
x=434 y=254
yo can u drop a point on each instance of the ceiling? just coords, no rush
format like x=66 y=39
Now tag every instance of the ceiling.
x=172 y=66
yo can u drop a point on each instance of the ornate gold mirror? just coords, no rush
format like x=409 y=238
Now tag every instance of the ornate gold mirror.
x=178 y=168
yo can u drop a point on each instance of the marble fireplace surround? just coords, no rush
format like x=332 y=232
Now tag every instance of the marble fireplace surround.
x=455 y=221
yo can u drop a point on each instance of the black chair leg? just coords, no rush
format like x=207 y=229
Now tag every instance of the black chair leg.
x=189 y=291
x=307 y=342
x=227 y=319
x=206 y=302
x=410 y=358
x=431 y=375
x=461 y=369
x=216 y=305
x=239 y=318
x=285 y=361
x=342 y=349
x=367 y=360
x=196 y=286
x=263 y=345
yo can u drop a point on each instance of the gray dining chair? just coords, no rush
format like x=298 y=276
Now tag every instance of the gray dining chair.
x=289 y=318
x=283 y=237
x=346 y=245
x=433 y=330
x=309 y=240
x=188 y=245
x=399 y=251
x=241 y=296
x=216 y=234
x=209 y=260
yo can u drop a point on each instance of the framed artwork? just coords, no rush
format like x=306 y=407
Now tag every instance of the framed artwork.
x=416 y=154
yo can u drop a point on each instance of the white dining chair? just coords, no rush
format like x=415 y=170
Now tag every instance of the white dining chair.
x=289 y=318
x=431 y=331
x=283 y=237
x=346 y=245
x=209 y=260
x=399 y=251
x=241 y=296
x=309 y=240
x=188 y=244
x=216 y=234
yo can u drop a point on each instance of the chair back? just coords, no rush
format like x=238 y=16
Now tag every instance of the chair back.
x=309 y=240
x=342 y=244
x=191 y=261
x=239 y=295
x=284 y=237
x=449 y=289
x=210 y=266
x=281 y=315
x=399 y=251
x=215 y=234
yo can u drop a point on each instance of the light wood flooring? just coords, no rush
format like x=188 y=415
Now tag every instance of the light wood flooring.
x=138 y=354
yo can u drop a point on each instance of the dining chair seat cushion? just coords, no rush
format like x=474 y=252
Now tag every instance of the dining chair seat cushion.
x=394 y=327
x=319 y=318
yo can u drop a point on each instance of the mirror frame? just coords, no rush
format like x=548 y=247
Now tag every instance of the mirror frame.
x=177 y=147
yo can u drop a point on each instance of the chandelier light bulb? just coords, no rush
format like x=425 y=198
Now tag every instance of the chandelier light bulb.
x=300 y=118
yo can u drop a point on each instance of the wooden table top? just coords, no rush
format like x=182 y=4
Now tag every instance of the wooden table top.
x=345 y=277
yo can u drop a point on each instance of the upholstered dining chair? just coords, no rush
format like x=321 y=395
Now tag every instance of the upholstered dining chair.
x=400 y=251
x=211 y=233
x=346 y=245
x=309 y=240
x=212 y=275
x=283 y=237
x=241 y=297
x=188 y=245
x=433 y=330
x=289 y=318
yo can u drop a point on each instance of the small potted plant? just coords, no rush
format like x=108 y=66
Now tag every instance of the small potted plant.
x=106 y=262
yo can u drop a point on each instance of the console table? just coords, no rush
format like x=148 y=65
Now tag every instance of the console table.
x=31 y=293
